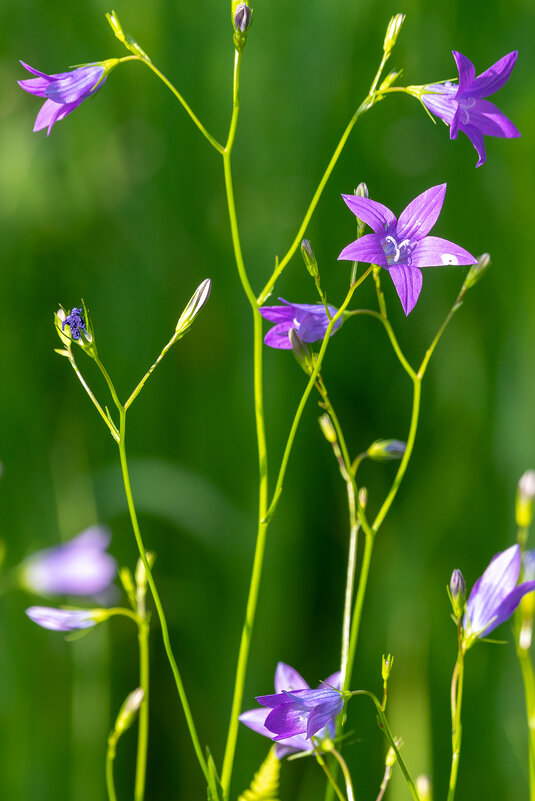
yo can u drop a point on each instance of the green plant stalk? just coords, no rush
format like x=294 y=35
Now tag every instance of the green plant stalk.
x=386 y=728
x=528 y=678
x=143 y=720
x=110 y=757
x=258 y=560
x=332 y=784
x=456 y=706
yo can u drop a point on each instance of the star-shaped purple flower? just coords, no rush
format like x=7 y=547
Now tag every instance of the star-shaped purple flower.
x=463 y=106
x=495 y=595
x=309 y=320
x=402 y=246
x=63 y=91
x=305 y=710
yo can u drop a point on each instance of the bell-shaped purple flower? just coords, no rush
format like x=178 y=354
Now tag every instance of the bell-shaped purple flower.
x=62 y=619
x=306 y=710
x=401 y=245
x=309 y=320
x=80 y=566
x=495 y=595
x=64 y=91
x=463 y=106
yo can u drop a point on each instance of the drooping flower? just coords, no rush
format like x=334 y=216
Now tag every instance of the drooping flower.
x=62 y=619
x=402 y=246
x=307 y=712
x=80 y=566
x=495 y=595
x=309 y=320
x=462 y=106
x=64 y=91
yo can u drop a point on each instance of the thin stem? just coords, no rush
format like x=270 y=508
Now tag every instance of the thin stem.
x=456 y=705
x=156 y=597
x=110 y=757
x=528 y=678
x=386 y=728
x=143 y=723
x=141 y=384
x=330 y=778
x=302 y=403
x=98 y=407
x=345 y=771
x=359 y=604
x=207 y=135
x=258 y=560
x=391 y=336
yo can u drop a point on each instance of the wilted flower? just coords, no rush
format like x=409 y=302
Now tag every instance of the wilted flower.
x=309 y=320
x=495 y=595
x=64 y=91
x=463 y=107
x=62 y=619
x=402 y=246
x=80 y=566
x=307 y=711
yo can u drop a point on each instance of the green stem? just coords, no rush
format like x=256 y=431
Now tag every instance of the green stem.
x=346 y=774
x=207 y=135
x=330 y=778
x=110 y=757
x=302 y=403
x=359 y=604
x=528 y=678
x=143 y=723
x=258 y=560
x=141 y=384
x=386 y=728
x=456 y=705
x=98 y=407
x=155 y=594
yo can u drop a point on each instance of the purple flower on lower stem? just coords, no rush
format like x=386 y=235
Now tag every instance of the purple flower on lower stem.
x=401 y=245
x=80 y=566
x=64 y=91
x=309 y=320
x=61 y=619
x=295 y=713
x=495 y=595
x=463 y=106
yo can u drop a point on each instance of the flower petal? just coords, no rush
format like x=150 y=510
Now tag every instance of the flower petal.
x=285 y=720
x=47 y=115
x=467 y=71
x=433 y=251
x=322 y=714
x=333 y=680
x=367 y=249
x=287 y=678
x=374 y=214
x=60 y=619
x=489 y=592
x=35 y=86
x=440 y=100
x=495 y=77
x=489 y=120
x=36 y=72
x=278 y=314
x=421 y=214
x=255 y=719
x=476 y=137
x=508 y=605
x=408 y=283
x=75 y=85
x=277 y=337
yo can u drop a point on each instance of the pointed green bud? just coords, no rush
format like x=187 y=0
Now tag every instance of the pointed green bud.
x=457 y=593
x=125 y=38
x=309 y=258
x=524 y=499
x=127 y=713
x=301 y=351
x=392 y=32
x=327 y=428
x=386 y=669
x=386 y=450
x=476 y=272
x=199 y=298
x=389 y=80
x=125 y=577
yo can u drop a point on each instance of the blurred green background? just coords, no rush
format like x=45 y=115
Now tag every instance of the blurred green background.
x=124 y=206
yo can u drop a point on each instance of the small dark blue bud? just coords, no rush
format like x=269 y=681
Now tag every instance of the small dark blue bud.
x=76 y=323
x=242 y=17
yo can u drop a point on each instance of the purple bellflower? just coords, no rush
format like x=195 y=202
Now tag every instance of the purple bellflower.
x=295 y=713
x=80 y=566
x=61 y=619
x=401 y=245
x=462 y=106
x=64 y=91
x=495 y=595
x=309 y=320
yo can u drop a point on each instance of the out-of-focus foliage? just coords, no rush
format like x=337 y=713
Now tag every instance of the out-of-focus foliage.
x=123 y=205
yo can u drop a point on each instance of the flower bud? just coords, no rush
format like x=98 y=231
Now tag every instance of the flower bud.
x=386 y=450
x=125 y=38
x=301 y=351
x=141 y=573
x=128 y=711
x=524 y=499
x=457 y=592
x=386 y=668
x=476 y=272
x=392 y=32
x=309 y=258
x=363 y=497
x=242 y=17
x=327 y=428
x=389 y=80
x=79 y=329
x=200 y=296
